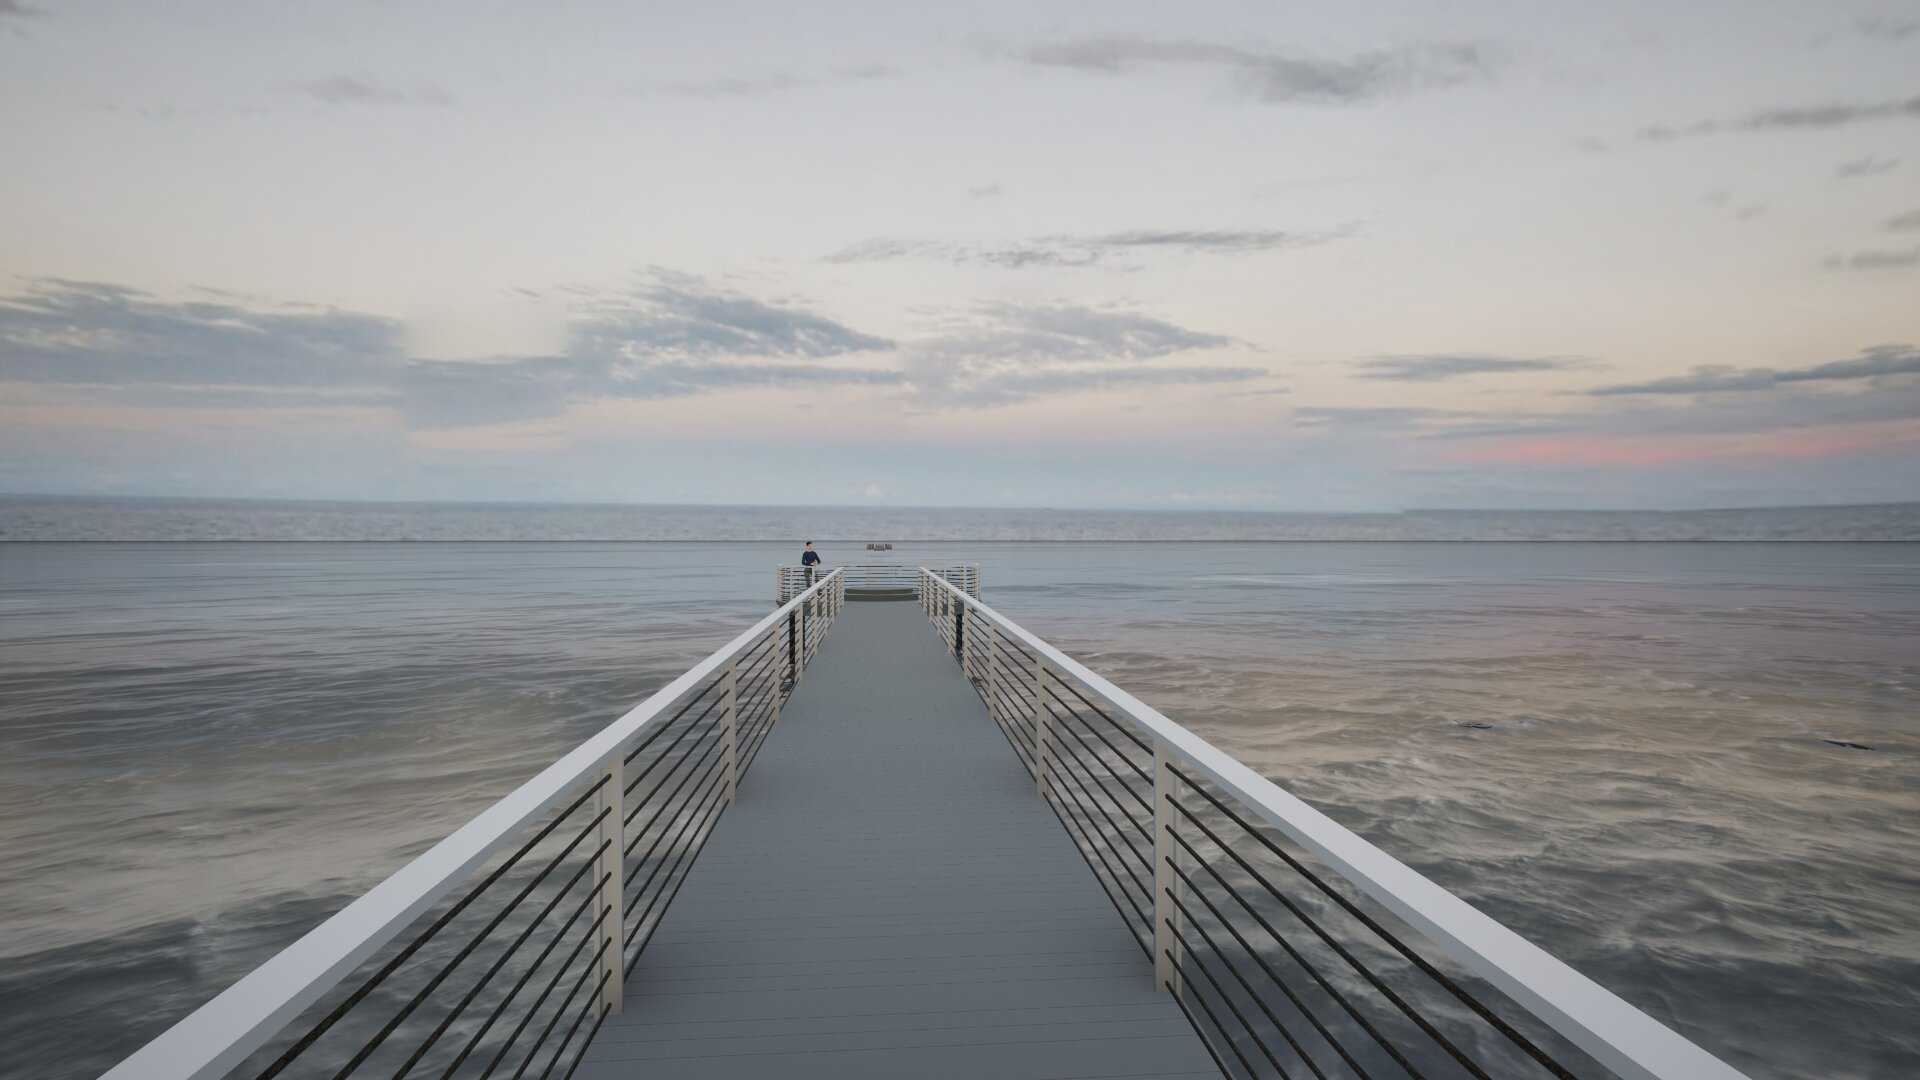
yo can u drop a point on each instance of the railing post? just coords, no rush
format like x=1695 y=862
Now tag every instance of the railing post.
x=960 y=634
x=802 y=669
x=610 y=838
x=1042 y=730
x=730 y=725
x=1166 y=935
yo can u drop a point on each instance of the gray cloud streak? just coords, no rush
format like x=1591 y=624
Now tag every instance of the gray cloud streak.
x=348 y=90
x=1793 y=118
x=1272 y=77
x=754 y=86
x=1091 y=249
x=1882 y=259
x=1006 y=353
x=678 y=316
x=1436 y=367
x=1866 y=166
x=1883 y=29
x=62 y=331
x=105 y=343
x=1877 y=362
x=14 y=9
x=451 y=393
x=1907 y=222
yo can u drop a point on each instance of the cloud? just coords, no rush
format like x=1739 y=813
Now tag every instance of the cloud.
x=1907 y=222
x=1009 y=387
x=1041 y=333
x=347 y=90
x=1877 y=362
x=1435 y=367
x=77 y=332
x=734 y=86
x=1003 y=353
x=1080 y=250
x=1866 y=166
x=1271 y=77
x=1879 y=386
x=986 y=191
x=1884 y=29
x=1376 y=416
x=680 y=316
x=671 y=337
x=1793 y=118
x=14 y=9
x=464 y=393
x=1883 y=259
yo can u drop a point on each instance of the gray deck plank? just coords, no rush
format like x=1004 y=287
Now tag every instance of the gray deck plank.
x=889 y=897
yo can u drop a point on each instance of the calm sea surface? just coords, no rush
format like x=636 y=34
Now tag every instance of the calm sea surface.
x=206 y=748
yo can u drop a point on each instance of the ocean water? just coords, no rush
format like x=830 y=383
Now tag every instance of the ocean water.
x=57 y=518
x=1621 y=750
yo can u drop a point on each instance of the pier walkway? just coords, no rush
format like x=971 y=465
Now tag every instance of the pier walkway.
x=888 y=896
x=963 y=853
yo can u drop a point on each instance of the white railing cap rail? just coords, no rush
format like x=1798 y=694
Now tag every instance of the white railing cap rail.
x=1619 y=1036
x=220 y=1034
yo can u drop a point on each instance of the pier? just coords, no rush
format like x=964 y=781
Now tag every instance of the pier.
x=908 y=837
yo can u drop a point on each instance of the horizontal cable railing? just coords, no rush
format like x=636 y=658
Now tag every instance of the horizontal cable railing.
x=502 y=949
x=1296 y=948
x=888 y=580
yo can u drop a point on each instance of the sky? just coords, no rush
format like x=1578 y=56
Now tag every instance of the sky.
x=1365 y=256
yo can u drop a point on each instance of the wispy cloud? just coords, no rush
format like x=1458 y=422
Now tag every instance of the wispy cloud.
x=349 y=90
x=671 y=337
x=1817 y=117
x=465 y=393
x=681 y=316
x=1882 y=28
x=1877 y=362
x=80 y=332
x=1907 y=222
x=1436 y=367
x=1000 y=354
x=14 y=9
x=1267 y=76
x=986 y=191
x=1877 y=259
x=764 y=85
x=1866 y=166
x=1373 y=416
x=1091 y=249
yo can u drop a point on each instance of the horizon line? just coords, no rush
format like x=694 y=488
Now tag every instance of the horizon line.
x=599 y=504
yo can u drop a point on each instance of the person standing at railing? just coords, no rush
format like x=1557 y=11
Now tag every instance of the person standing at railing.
x=810 y=561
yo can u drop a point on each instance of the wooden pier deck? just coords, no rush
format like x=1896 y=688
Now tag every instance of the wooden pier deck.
x=890 y=897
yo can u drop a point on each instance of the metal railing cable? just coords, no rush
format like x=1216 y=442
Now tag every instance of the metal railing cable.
x=380 y=975
x=1093 y=801
x=503 y=949
x=1305 y=979
x=1524 y=1044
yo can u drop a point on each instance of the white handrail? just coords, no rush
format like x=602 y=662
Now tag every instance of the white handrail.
x=1619 y=1036
x=220 y=1034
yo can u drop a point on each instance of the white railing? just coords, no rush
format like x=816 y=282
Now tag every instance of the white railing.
x=675 y=758
x=874 y=579
x=1175 y=794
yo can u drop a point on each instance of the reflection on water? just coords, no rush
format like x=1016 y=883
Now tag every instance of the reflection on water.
x=1618 y=750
